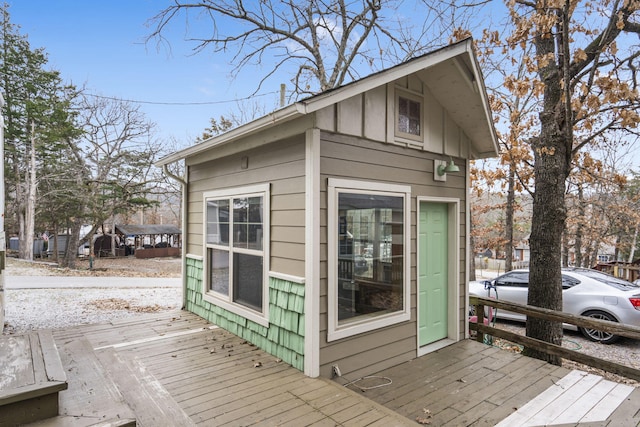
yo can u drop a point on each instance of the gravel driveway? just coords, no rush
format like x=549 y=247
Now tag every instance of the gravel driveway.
x=28 y=309
x=54 y=305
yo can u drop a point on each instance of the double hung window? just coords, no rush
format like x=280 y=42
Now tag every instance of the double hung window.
x=237 y=227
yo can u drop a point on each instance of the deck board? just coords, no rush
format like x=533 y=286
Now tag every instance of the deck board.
x=604 y=407
x=216 y=378
x=628 y=410
x=143 y=392
x=471 y=384
x=226 y=401
x=21 y=371
x=213 y=375
x=91 y=395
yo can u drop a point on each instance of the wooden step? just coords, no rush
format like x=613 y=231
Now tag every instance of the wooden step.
x=82 y=421
x=627 y=413
x=31 y=376
x=150 y=401
x=92 y=398
x=116 y=423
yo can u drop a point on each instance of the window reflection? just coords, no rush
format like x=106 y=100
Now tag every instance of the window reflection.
x=408 y=116
x=218 y=222
x=218 y=271
x=370 y=255
x=247 y=223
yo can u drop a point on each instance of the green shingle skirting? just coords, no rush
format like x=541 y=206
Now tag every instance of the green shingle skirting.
x=283 y=338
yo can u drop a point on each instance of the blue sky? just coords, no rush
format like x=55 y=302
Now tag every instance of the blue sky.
x=101 y=45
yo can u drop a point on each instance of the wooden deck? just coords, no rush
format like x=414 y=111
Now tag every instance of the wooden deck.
x=472 y=384
x=178 y=370
x=175 y=369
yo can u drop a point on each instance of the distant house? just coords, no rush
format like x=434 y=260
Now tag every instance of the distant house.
x=522 y=251
x=625 y=270
x=334 y=231
x=148 y=240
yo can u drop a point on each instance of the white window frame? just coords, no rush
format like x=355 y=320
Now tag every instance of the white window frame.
x=335 y=187
x=226 y=301
x=404 y=93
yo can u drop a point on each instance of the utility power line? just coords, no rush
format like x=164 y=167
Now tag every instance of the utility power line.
x=135 y=101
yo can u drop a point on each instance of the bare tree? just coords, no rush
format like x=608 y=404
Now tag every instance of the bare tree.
x=111 y=166
x=322 y=43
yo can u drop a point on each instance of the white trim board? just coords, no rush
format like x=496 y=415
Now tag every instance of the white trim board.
x=312 y=254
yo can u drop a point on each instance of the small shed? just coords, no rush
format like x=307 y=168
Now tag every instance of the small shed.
x=334 y=233
x=149 y=240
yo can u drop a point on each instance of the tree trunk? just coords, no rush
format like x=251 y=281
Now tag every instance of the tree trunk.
x=592 y=256
x=31 y=185
x=21 y=225
x=545 y=284
x=552 y=151
x=634 y=242
x=472 y=253
x=55 y=242
x=113 y=240
x=71 y=251
x=580 y=228
x=565 y=249
x=511 y=197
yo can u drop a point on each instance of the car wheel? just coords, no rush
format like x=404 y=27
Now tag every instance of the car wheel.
x=599 y=336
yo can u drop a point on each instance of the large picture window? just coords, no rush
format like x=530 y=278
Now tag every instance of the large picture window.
x=368 y=259
x=236 y=228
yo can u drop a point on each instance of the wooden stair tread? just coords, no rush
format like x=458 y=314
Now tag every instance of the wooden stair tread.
x=31 y=376
x=146 y=396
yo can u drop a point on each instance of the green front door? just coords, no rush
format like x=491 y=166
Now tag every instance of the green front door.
x=432 y=272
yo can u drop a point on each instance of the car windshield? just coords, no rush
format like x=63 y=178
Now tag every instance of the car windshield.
x=612 y=281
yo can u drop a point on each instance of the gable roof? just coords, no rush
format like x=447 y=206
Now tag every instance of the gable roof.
x=451 y=73
x=147 y=229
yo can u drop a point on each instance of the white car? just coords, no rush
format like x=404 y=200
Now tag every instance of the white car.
x=585 y=292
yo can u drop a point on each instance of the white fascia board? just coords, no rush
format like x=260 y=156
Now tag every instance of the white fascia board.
x=477 y=73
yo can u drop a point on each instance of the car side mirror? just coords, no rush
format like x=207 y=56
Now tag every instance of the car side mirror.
x=488 y=284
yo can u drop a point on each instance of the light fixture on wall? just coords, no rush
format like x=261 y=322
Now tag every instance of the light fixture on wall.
x=441 y=168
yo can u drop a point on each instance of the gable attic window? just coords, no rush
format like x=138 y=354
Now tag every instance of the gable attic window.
x=236 y=227
x=409 y=122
